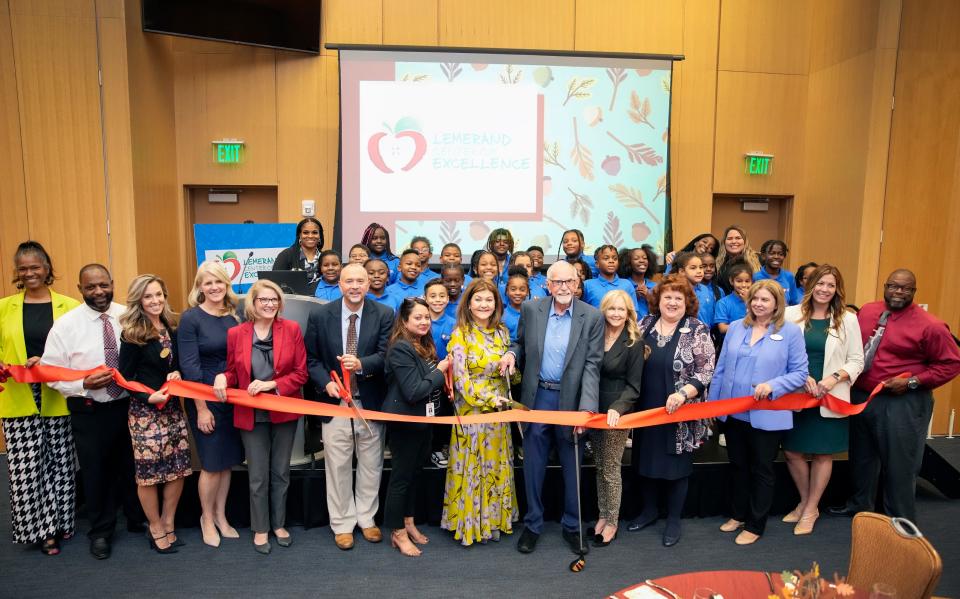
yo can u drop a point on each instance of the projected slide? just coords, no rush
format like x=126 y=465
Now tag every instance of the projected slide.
x=451 y=146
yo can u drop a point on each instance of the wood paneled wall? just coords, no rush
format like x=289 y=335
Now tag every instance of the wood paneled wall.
x=808 y=81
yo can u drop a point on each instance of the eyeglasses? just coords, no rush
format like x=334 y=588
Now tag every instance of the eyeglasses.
x=562 y=282
x=268 y=301
x=894 y=288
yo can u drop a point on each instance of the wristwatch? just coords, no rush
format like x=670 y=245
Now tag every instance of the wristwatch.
x=835 y=375
x=913 y=383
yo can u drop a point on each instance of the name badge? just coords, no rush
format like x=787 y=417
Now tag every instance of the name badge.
x=777 y=337
x=431 y=410
x=684 y=330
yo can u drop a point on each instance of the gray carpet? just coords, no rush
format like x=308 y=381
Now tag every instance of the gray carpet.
x=315 y=567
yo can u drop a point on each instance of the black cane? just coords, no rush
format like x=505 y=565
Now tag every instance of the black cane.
x=580 y=563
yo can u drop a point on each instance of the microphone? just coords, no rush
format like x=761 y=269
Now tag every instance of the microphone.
x=243 y=272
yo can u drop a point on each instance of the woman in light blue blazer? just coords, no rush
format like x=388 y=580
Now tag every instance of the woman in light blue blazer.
x=763 y=356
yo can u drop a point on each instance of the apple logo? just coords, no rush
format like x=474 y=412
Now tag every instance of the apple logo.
x=230 y=264
x=402 y=148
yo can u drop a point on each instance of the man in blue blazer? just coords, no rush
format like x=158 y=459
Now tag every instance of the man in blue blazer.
x=559 y=346
x=351 y=334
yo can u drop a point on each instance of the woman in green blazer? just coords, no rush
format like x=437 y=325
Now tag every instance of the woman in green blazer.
x=36 y=422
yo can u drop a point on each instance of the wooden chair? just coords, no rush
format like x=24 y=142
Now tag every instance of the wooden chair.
x=893 y=551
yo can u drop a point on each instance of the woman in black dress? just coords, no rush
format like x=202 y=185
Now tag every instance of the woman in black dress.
x=202 y=341
x=415 y=383
x=304 y=254
x=678 y=370
x=620 y=374
x=158 y=430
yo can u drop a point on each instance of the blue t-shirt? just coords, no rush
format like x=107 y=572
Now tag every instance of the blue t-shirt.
x=387 y=299
x=404 y=290
x=511 y=318
x=328 y=291
x=540 y=281
x=595 y=289
x=441 y=329
x=641 y=304
x=707 y=302
x=451 y=310
x=392 y=262
x=591 y=262
x=532 y=293
x=728 y=309
x=425 y=276
x=786 y=280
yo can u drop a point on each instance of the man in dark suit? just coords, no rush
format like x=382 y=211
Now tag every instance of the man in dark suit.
x=559 y=345
x=351 y=334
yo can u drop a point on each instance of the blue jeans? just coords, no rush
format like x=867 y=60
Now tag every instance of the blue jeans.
x=538 y=440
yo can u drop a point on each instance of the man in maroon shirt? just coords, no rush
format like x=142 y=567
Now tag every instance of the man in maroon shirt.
x=899 y=337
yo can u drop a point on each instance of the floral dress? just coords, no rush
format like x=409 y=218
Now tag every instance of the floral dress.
x=479 y=499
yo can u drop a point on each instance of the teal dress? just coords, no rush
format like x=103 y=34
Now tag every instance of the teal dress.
x=811 y=432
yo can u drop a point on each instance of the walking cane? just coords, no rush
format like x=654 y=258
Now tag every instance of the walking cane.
x=580 y=563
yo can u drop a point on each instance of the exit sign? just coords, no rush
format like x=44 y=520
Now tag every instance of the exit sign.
x=755 y=163
x=228 y=151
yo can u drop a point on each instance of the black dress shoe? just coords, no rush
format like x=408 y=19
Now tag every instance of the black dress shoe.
x=599 y=542
x=843 y=510
x=641 y=522
x=527 y=541
x=100 y=548
x=669 y=540
x=573 y=539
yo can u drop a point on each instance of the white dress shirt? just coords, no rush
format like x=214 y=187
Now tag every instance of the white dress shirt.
x=76 y=341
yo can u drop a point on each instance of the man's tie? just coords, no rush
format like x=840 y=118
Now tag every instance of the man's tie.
x=352 y=335
x=870 y=349
x=110 y=354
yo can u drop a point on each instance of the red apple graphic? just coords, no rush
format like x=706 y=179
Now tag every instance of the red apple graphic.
x=231 y=264
x=397 y=146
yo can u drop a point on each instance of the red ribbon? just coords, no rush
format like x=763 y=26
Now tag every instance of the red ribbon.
x=696 y=411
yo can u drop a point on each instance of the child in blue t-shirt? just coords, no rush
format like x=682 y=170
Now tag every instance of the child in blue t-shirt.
x=773 y=253
x=516 y=292
x=733 y=307
x=607 y=260
x=690 y=266
x=435 y=294
x=408 y=282
x=328 y=287
x=637 y=265
x=379 y=274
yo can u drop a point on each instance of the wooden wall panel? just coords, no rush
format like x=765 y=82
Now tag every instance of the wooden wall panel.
x=118 y=150
x=692 y=123
x=351 y=22
x=226 y=95
x=159 y=217
x=764 y=36
x=647 y=26
x=411 y=22
x=545 y=24
x=13 y=195
x=759 y=112
x=922 y=207
x=55 y=49
x=840 y=31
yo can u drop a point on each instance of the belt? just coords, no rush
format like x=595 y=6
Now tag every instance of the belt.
x=548 y=385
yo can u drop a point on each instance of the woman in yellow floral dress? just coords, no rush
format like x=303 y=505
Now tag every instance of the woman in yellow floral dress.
x=479 y=500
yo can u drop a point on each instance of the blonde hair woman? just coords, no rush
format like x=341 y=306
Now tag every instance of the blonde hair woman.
x=161 y=448
x=763 y=356
x=620 y=374
x=735 y=248
x=202 y=341
x=835 y=354
x=266 y=354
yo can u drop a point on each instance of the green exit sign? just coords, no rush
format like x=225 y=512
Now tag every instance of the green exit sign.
x=228 y=151
x=757 y=164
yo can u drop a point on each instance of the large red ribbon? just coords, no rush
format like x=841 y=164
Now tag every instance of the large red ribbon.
x=42 y=373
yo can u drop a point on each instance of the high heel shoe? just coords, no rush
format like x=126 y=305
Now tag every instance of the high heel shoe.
x=227 y=532
x=794 y=516
x=177 y=541
x=404 y=544
x=805 y=524
x=153 y=544
x=731 y=525
x=211 y=538
x=598 y=539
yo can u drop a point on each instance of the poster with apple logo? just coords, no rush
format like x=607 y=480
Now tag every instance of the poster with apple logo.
x=427 y=147
x=244 y=250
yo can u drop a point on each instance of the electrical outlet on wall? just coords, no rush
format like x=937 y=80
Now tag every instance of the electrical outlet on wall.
x=308 y=208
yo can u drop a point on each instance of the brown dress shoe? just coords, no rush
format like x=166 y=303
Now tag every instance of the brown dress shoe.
x=372 y=534
x=344 y=540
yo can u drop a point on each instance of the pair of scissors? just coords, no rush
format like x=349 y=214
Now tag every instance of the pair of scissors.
x=343 y=387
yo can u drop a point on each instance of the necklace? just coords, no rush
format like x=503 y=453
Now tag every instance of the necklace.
x=663 y=339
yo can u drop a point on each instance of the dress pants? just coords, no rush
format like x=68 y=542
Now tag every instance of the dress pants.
x=268 y=447
x=609 y=457
x=350 y=504
x=410 y=451
x=102 y=438
x=752 y=452
x=890 y=433
x=538 y=440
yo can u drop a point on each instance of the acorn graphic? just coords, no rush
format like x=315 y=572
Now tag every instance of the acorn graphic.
x=640 y=231
x=543 y=76
x=479 y=230
x=611 y=165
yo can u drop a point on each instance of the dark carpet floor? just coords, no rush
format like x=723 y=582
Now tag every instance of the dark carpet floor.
x=314 y=567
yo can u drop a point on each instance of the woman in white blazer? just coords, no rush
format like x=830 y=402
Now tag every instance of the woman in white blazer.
x=835 y=357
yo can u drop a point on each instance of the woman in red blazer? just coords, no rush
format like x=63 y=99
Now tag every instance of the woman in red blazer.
x=265 y=354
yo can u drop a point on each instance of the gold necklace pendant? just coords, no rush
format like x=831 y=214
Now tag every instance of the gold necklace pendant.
x=165 y=352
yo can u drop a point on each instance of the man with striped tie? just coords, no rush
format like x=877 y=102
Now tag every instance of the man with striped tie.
x=86 y=337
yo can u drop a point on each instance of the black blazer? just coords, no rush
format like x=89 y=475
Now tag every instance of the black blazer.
x=324 y=341
x=142 y=363
x=621 y=372
x=410 y=381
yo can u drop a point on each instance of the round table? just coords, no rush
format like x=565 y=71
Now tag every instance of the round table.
x=732 y=584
